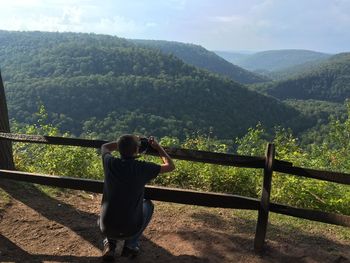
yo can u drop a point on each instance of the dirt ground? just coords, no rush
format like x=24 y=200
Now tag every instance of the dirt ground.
x=35 y=227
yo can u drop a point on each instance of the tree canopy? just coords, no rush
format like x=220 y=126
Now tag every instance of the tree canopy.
x=200 y=57
x=329 y=81
x=106 y=85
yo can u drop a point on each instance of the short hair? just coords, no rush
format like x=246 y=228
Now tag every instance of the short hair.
x=128 y=145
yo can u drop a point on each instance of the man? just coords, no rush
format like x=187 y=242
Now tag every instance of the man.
x=124 y=212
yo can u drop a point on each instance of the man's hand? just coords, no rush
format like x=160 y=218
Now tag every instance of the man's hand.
x=168 y=164
x=154 y=144
x=109 y=147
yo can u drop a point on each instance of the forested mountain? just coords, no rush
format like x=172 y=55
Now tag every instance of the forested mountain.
x=330 y=81
x=107 y=86
x=293 y=71
x=275 y=60
x=200 y=57
x=318 y=114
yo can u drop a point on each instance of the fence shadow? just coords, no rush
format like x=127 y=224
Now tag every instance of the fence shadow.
x=213 y=244
x=82 y=223
x=10 y=252
x=289 y=244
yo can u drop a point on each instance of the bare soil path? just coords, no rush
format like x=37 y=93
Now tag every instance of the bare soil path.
x=35 y=227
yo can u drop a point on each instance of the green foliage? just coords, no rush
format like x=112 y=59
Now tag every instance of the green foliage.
x=253 y=142
x=329 y=81
x=101 y=85
x=57 y=160
x=4 y=199
x=200 y=57
x=318 y=114
x=332 y=154
x=292 y=190
x=105 y=86
x=208 y=177
x=304 y=192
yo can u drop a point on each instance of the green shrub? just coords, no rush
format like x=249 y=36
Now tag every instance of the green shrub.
x=332 y=154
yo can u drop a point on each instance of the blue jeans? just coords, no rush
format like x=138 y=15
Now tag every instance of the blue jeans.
x=133 y=241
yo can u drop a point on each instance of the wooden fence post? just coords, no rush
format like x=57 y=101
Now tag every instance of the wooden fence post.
x=6 y=157
x=263 y=213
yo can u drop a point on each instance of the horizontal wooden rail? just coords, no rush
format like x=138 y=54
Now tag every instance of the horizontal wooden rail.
x=320 y=216
x=336 y=177
x=52 y=140
x=180 y=196
x=152 y=192
x=195 y=156
x=181 y=154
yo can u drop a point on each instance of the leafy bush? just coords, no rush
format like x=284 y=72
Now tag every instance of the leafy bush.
x=332 y=154
x=50 y=159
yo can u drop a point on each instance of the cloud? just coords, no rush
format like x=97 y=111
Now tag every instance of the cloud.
x=23 y=3
x=221 y=24
x=227 y=19
x=71 y=22
x=151 y=24
x=71 y=16
x=68 y=20
x=115 y=25
x=270 y=24
x=176 y=4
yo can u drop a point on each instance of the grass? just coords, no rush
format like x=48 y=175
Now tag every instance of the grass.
x=55 y=192
x=339 y=232
x=5 y=199
x=279 y=225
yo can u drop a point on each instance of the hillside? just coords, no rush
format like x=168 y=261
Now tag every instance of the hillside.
x=106 y=86
x=200 y=57
x=275 y=60
x=293 y=71
x=330 y=81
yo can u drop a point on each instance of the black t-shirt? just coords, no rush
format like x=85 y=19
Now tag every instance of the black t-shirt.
x=123 y=192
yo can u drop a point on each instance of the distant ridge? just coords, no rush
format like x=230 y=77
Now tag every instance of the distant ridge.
x=200 y=57
x=329 y=81
x=275 y=60
x=104 y=86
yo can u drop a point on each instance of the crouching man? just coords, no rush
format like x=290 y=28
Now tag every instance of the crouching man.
x=124 y=212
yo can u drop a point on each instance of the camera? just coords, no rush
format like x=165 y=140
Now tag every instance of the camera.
x=144 y=144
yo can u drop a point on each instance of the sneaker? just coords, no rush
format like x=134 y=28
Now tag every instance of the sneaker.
x=108 y=252
x=130 y=251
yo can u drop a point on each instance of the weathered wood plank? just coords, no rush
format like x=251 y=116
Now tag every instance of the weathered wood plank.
x=53 y=180
x=214 y=158
x=208 y=199
x=263 y=212
x=180 y=196
x=52 y=140
x=336 y=177
x=181 y=154
x=313 y=215
x=6 y=155
x=152 y=192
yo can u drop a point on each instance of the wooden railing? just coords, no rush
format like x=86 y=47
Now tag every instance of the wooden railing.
x=268 y=163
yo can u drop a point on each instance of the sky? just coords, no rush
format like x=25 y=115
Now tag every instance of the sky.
x=231 y=25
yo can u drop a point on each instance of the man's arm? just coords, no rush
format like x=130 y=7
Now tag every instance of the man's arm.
x=109 y=147
x=168 y=164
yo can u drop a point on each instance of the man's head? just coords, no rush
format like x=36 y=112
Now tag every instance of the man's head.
x=128 y=145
